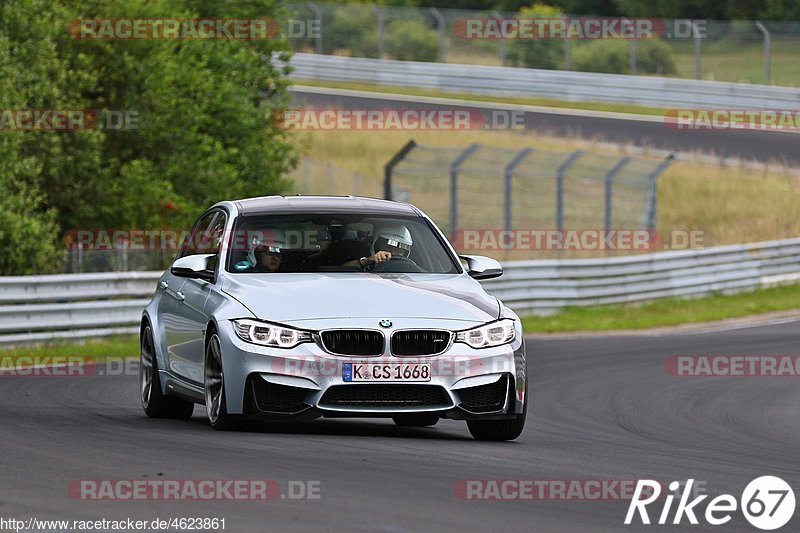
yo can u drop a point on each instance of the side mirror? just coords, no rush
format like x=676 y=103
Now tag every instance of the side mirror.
x=193 y=266
x=480 y=267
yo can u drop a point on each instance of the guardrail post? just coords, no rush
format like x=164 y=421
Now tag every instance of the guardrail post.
x=509 y=174
x=389 y=167
x=652 y=192
x=381 y=33
x=560 y=172
x=441 y=25
x=455 y=166
x=318 y=14
x=767 y=52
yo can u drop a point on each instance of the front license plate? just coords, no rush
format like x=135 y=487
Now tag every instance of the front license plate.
x=386 y=372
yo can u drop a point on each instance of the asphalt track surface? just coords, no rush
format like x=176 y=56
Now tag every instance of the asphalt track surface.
x=602 y=408
x=651 y=132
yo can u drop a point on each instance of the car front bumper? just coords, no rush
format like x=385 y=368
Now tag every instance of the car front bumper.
x=307 y=382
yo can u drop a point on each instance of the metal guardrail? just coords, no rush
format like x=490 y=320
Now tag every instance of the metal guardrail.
x=72 y=306
x=561 y=85
x=40 y=308
x=545 y=286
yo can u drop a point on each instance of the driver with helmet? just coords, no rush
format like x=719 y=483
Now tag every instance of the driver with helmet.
x=390 y=241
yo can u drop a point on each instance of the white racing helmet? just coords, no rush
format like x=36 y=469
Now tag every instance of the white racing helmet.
x=270 y=240
x=394 y=235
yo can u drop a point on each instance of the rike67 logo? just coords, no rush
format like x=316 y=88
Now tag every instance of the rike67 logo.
x=767 y=503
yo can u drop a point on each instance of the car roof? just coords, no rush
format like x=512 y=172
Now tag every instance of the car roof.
x=322 y=204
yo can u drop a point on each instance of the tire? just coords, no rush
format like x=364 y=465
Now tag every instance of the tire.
x=497 y=430
x=154 y=403
x=416 y=420
x=214 y=385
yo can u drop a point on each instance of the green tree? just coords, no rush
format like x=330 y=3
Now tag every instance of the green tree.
x=205 y=110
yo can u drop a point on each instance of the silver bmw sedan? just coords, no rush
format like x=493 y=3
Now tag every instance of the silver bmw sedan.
x=300 y=307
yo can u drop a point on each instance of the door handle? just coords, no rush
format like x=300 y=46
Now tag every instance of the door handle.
x=179 y=296
x=163 y=285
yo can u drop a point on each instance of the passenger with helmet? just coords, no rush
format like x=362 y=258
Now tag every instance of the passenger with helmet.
x=264 y=254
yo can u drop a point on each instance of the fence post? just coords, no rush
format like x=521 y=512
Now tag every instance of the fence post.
x=318 y=38
x=509 y=174
x=633 y=56
x=567 y=59
x=609 y=183
x=652 y=192
x=454 y=168
x=560 y=172
x=502 y=42
x=381 y=34
x=698 y=73
x=306 y=186
x=767 y=52
x=441 y=25
x=389 y=167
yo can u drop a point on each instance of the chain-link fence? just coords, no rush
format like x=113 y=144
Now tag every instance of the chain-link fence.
x=737 y=51
x=480 y=187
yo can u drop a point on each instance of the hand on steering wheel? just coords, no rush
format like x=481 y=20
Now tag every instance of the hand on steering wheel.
x=380 y=266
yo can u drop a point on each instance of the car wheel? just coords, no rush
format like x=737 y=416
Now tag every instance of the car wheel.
x=499 y=429
x=155 y=404
x=216 y=407
x=416 y=420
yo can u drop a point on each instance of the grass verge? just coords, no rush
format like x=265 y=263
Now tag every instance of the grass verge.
x=114 y=347
x=666 y=312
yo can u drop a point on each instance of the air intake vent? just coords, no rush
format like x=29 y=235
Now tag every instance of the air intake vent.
x=385 y=395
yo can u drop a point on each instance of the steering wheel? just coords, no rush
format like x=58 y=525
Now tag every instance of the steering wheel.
x=399 y=263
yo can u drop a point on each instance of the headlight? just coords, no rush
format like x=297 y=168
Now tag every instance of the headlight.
x=266 y=334
x=493 y=334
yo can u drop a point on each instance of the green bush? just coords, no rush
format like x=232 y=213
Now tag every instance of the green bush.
x=532 y=53
x=352 y=31
x=412 y=40
x=612 y=56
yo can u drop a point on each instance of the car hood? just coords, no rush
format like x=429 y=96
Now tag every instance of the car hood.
x=290 y=298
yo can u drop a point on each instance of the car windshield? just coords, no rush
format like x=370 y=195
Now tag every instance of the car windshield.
x=337 y=243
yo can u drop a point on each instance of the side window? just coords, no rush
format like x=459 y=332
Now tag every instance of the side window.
x=215 y=235
x=197 y=241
